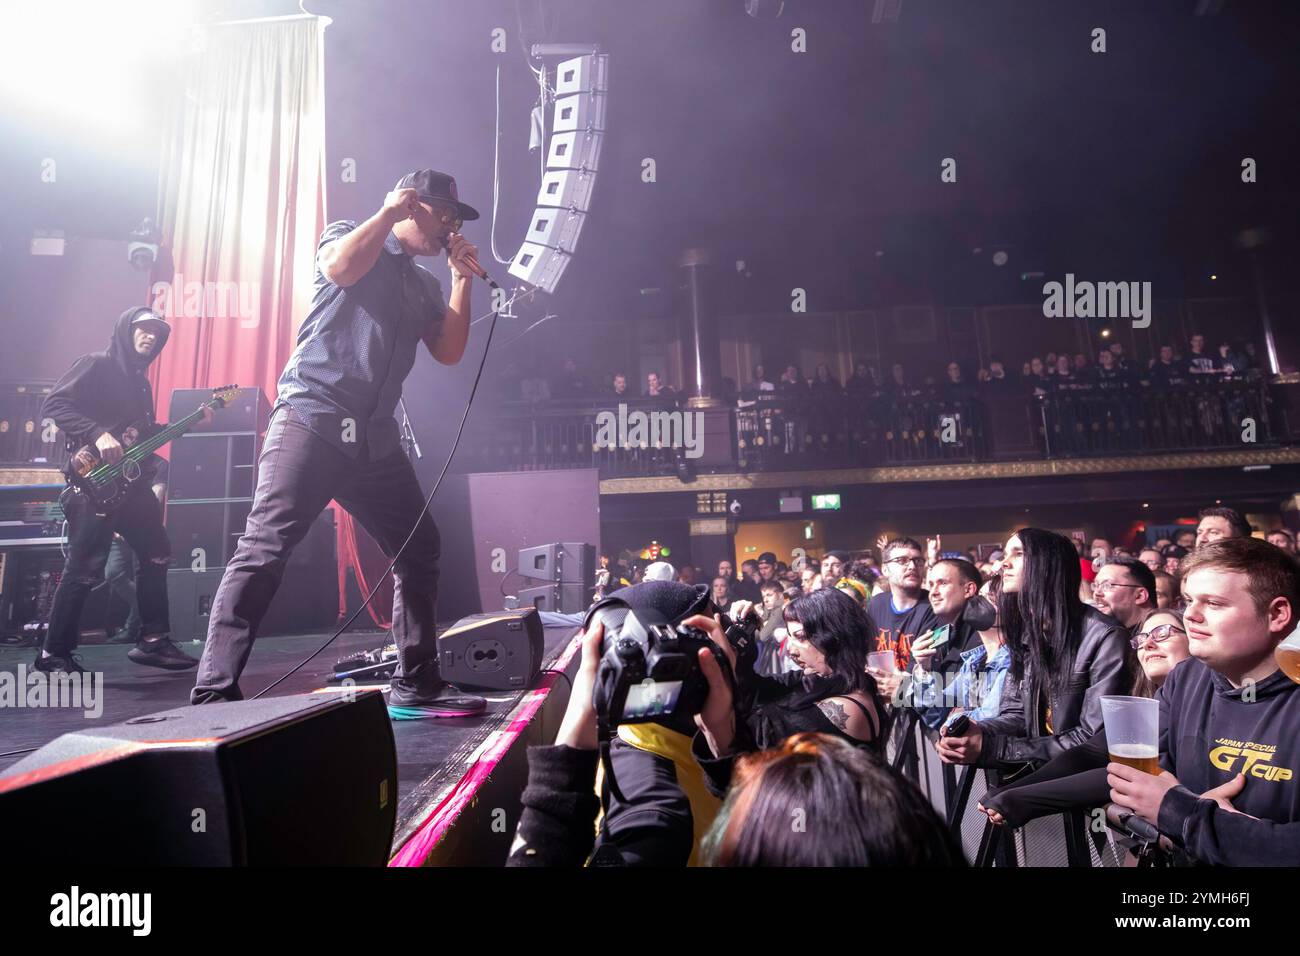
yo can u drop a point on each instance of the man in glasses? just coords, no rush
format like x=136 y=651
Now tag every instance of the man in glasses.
x=1125 y=589
x=332 y=434
x=899 y=615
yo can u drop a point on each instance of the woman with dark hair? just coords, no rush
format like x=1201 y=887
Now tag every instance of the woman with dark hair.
x=831 y=692
x=1065 y=656
x=1077 y=778
x=852 y=810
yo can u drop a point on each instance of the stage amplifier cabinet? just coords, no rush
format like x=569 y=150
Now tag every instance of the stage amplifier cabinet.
x=499 y=651
x=563 y=562
x=559 y=598
x=23 y=435
x=247 y=413
x=218 y=462
x=304 y=780
x=307 y=599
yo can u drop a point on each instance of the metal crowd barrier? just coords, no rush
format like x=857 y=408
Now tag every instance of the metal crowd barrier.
x=1063 y=839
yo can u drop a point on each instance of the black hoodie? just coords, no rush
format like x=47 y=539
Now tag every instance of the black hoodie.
x=106 y=391
x=1210 y=732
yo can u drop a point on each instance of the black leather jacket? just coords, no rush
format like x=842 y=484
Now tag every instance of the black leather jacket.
x=1102 y=666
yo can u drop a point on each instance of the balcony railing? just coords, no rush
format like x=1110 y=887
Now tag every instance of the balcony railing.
x=785 y=431
x=1094 y=421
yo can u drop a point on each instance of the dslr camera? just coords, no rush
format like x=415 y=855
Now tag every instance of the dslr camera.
x=650 y=669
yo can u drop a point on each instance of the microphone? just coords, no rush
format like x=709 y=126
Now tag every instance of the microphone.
x=479 y=271
x=473 y=265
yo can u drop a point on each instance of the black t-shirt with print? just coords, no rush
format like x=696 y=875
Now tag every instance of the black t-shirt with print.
x=894 y=630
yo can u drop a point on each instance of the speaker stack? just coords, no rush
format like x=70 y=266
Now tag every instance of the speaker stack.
x=577 y=131
x=567 y=567
x=211 y=477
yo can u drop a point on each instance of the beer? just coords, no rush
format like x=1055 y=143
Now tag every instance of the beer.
x=1138 y=756
x=1288 y=658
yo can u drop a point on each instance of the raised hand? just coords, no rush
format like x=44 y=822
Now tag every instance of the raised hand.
x=400 y=204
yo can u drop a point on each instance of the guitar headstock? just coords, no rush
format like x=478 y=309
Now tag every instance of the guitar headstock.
x=224 y=395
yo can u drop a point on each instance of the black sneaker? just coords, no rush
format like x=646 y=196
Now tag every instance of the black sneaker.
x=161 y=653
x=125 y=635
x=58 y=664
x=435 y=700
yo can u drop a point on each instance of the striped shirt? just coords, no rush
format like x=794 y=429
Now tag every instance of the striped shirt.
x=356 y=347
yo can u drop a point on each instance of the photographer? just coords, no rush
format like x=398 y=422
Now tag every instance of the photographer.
x=1065 y=657
x=858 y=812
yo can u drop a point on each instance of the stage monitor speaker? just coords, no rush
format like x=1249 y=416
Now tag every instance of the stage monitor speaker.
x=563 y=562
x=499 y=651
x=307 y=599
x=558 y=598
x=304 y=780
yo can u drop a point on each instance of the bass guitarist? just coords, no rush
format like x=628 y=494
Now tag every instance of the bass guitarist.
x=105 y=401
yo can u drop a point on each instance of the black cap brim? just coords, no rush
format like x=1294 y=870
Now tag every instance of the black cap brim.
x=467 y=213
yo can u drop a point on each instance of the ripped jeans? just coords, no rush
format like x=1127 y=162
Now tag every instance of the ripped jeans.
x=139 y=520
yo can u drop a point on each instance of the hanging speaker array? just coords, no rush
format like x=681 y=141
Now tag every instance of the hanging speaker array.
x=577 y=131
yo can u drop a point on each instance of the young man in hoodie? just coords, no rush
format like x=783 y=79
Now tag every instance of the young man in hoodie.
x=103 y=395
x=333 y=435
x=1229 y=751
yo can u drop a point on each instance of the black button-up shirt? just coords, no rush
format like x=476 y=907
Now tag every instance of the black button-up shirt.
x=357 y=346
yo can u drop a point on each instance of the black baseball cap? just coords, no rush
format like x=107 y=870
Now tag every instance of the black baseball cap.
x=433 y=186
x=767 y=557
x=152 y=321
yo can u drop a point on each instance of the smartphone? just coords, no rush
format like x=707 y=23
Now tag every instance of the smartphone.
x=941 y=636
x=958 y=727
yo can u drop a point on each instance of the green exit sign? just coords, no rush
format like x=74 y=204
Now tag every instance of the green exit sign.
x=826 y=502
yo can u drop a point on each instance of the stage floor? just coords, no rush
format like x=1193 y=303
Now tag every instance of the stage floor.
x=431 y=754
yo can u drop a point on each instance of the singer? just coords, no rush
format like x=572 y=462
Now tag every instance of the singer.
x=332 y=434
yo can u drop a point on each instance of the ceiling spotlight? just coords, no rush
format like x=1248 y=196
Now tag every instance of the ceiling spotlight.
x=1213 y=277
x=999 y=258
x=1105 y=333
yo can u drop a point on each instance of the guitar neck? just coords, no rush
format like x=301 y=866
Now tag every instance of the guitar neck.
x=174 y=430
x=139 y=452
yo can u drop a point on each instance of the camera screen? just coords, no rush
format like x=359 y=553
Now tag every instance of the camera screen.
x=651 y=699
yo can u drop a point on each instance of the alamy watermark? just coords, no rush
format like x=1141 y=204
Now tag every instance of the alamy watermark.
x=1098 y=300
x=133 y=911
x=208 y=300
x=653 y=429
x=33 y=688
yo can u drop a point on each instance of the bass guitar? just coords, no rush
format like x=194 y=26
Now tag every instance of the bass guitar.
x=105 y=485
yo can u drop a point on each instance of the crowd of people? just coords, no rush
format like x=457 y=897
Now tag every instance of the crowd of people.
x=1004 y=658
x=1110 y=368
